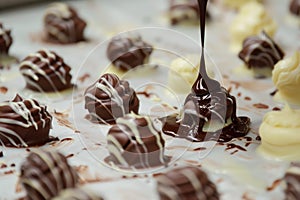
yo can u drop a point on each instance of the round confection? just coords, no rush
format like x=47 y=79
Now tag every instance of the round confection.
x=184 y=11
x=295 y=7
x=63 y=25
x=292 y=179
x=77 y=194
x=134 y=141
x=110 y=98
x=45 y=174
x=24 y=122
x=260 y=52
x=45 y=71
x=5 y=40
x=128 y=52
x=187 y=183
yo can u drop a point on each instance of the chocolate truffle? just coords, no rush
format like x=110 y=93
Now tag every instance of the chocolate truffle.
x=260 y=52
x=45 y=174
x=63 y=25
x=45 y=71
x=77 y=194
x=5 y=40
x=292 y=179
x=134 y=141
x=128 y=52
x=184 y=11
x=24 y=122
x=295 y=7
x=187 y=183
x=110 y=98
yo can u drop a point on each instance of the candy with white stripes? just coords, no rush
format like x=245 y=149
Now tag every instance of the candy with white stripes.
x=135 y=142
x=63 y=25
x=5 y=40
x=77 y=194
x=128 y=52
x=110 y=98
x=186 y=183
x=45 y=71
x=24 y=122
x=45 y=174
x=292 y=179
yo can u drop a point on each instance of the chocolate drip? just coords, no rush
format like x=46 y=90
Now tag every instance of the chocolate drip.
x=207 y=103
x=5 y=40
x=24 y=122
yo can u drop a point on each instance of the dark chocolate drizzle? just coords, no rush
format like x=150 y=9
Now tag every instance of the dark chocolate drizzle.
x=208 y=101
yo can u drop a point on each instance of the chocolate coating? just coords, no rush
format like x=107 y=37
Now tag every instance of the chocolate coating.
x=77 y=194
x=5 y=40
x=45 y=174
x=24 y=122
x=260 y=52
x=187 y=183
x=184 y=11
x=63 y=25
x=295 y=7
x=110 y=98
x=45 y=71
x=135 y=142
x=128 y=52
x=292 y=179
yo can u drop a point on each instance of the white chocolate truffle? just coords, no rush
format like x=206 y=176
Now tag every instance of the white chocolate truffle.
x=286 y=77
x=183 y=73
x=251 y=20
x=236 y=4
x=279 y=134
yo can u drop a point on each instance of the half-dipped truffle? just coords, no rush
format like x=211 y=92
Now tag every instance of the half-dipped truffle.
x=77 y=194
x=292 y=179
x=129 y=52
x=186 y=183
x=260 y=52
x=44 y=174
x=134 y=141
x=5 y=40
x=24 y=122
x=63 y=25
x=110 y=98
x=45 y=71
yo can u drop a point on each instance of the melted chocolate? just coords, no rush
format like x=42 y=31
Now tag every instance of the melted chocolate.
x=207 y=102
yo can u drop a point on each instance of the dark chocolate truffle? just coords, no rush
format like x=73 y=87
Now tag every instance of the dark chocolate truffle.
x=45 y=71
x=45 y=174
x=292 y=179
x=184 y=11
x=110 y=98
x=24 y=122
x=5 y=40
x=134 y=141
x=76 y=194
x=63 y=25
x=187 y=183
x=128 y=52
x=260 y=52
x=295 y=7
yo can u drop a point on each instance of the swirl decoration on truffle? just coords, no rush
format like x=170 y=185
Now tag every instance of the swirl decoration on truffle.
x=181 y=11
x=128 y=52
x=260 y=52
x=292 y=179
x=63 y=25
x=77 y=194
x=186 y=183
x=5 y=40
x=24 y=122
x=295 y=7
x=45 y=174
x=45 y=71
x=135 y=142
x=208 y=105
x=110 y=98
